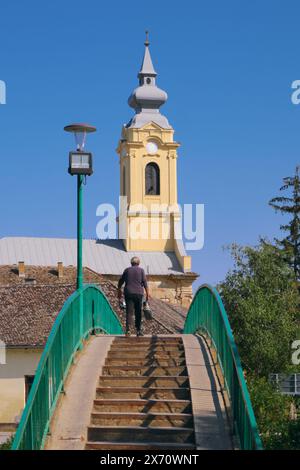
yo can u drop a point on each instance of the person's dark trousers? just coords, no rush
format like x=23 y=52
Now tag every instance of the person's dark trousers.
x=134 y=304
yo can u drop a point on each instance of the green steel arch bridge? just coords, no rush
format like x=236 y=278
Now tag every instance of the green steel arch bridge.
x=154 y=392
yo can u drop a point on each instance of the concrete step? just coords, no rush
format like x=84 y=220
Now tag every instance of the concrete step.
x=136 y=393
x=146 y=382
x=167 y=362
x=105 y=445
x=146 y=355
x=142 y=419
x=146 y=348
x=142 y=406
x=143 y=398
x=131 y=371
x=148 y=339
x=140 y=434
x=146 y=344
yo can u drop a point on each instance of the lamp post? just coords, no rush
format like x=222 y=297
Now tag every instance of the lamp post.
x=80 y=164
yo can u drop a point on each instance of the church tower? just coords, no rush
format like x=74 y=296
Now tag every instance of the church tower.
x=149 y=218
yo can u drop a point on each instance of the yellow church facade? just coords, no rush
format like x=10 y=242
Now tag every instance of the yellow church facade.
x=151 y=219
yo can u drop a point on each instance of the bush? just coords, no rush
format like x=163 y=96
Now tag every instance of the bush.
x=262 y=302
x=7 y=444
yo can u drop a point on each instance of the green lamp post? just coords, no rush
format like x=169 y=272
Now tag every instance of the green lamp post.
x=80 y=164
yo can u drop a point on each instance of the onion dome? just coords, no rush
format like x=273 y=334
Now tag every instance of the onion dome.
x=147 y=98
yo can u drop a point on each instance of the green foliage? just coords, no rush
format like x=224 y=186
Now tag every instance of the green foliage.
x=290 y=205
x=272 y=411
x=262 y=301
x=261 y=297
x=7 y=444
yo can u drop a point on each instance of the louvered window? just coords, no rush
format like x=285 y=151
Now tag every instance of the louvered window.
x=152 y=179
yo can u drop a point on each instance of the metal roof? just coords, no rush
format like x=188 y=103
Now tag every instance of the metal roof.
x=103 y=256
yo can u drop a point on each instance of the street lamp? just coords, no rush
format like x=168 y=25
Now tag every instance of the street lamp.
x=80 y=164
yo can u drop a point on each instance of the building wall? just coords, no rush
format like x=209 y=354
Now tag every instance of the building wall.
x=150 y=233
x=172 y=291
x=19 y=362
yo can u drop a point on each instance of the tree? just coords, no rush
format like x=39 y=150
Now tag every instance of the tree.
x=7 y=444
x=272 y=411
x=290 y=205
x=262 y=302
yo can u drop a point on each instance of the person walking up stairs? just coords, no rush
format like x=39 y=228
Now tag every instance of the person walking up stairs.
x=135 y=283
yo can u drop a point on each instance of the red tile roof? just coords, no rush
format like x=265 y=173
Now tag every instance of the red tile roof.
x=29 y=307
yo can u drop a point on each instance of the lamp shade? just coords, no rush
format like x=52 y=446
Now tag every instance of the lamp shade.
x=80 y=131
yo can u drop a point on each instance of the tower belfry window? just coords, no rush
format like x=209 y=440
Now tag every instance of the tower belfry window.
x=152 y=179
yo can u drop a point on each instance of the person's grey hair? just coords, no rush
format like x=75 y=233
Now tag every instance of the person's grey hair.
x=135 y=261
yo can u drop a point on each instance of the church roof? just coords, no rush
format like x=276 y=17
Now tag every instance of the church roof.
x=147 y=98
x=28 y=311
x=147 y=65
x=102 y=256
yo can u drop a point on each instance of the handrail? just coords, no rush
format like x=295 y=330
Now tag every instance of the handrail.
x=207 y=314
x=63 y=342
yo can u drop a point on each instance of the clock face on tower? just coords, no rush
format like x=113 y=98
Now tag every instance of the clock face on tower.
x=151 y=147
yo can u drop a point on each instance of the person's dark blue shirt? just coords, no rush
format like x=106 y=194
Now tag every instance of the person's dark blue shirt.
x=135 y=280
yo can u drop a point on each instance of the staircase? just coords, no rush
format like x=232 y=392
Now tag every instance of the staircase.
x=143 y=397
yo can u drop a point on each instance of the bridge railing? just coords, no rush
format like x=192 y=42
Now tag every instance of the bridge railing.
x=208 y=315
x=63 y=342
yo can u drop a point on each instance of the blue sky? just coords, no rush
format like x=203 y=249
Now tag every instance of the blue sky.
x=227 y=68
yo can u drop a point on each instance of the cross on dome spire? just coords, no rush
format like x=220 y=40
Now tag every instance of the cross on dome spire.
x=147 y=68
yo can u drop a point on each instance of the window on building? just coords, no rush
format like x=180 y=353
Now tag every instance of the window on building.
x=152 y=179
x=28 y=385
